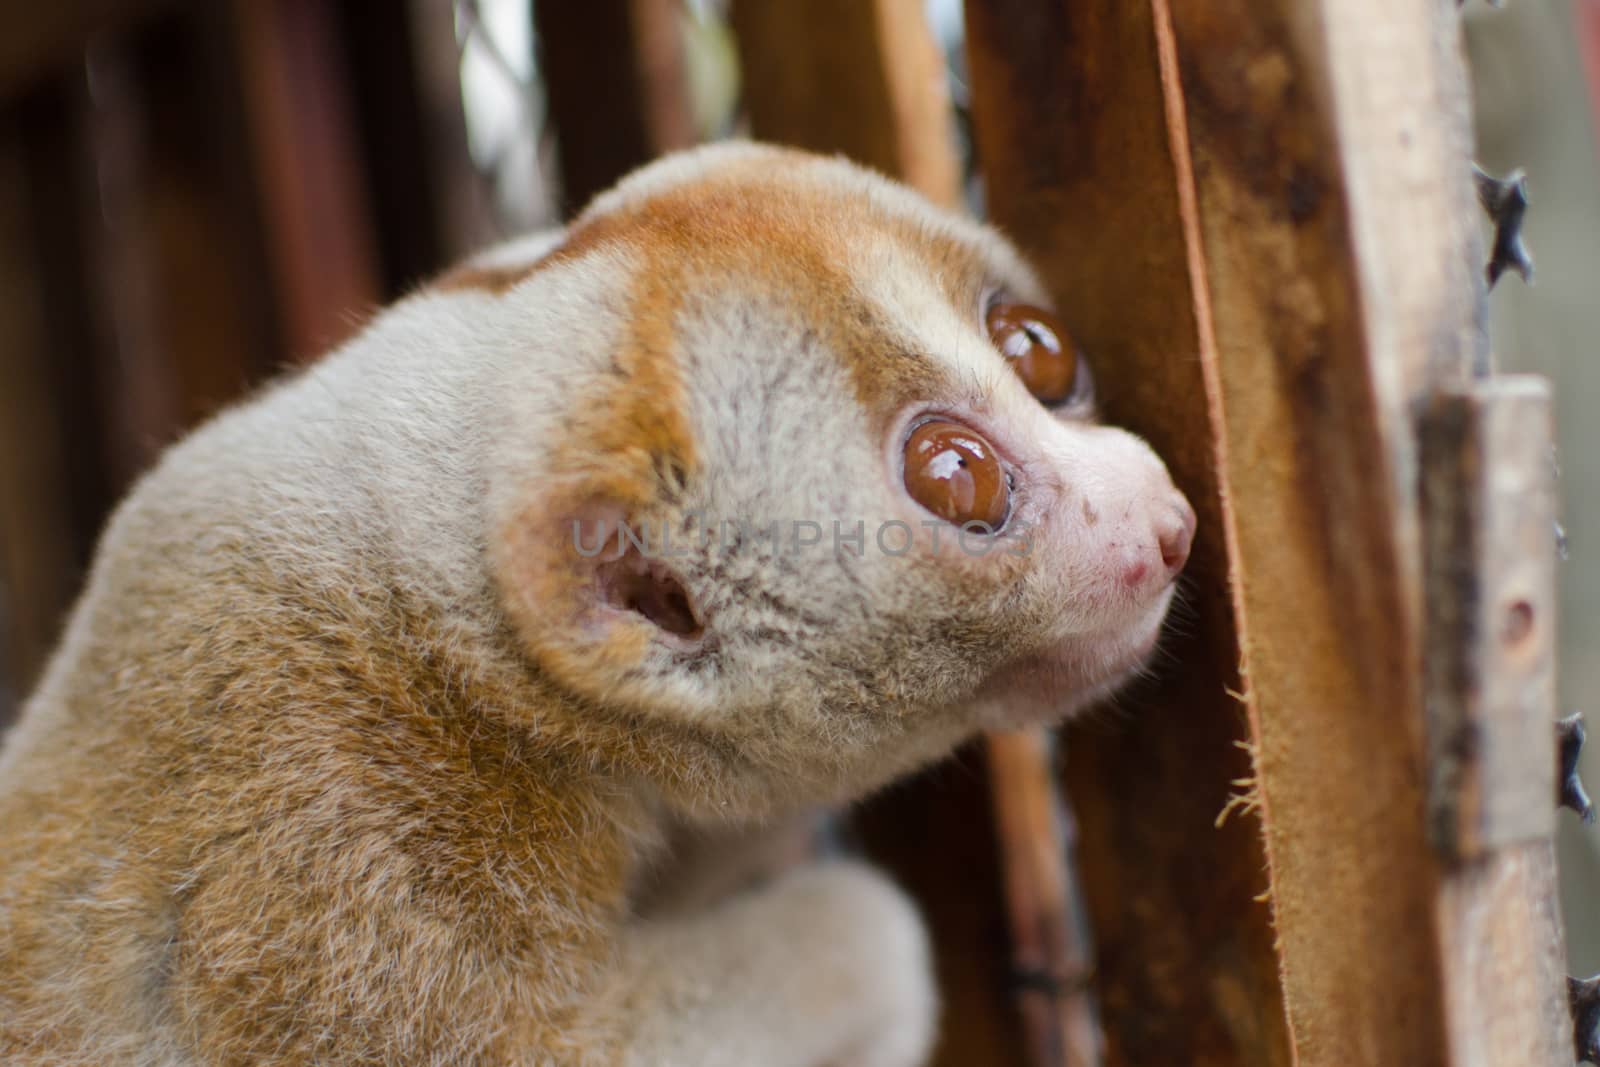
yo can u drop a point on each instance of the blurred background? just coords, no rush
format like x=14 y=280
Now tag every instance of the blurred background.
x=194 y=195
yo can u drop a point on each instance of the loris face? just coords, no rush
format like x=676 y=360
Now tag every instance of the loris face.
x=795 y=460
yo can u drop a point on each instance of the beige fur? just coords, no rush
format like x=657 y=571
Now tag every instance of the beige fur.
x=349 y=756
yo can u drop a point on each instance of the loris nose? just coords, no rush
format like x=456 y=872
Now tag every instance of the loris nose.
x=1175 y=533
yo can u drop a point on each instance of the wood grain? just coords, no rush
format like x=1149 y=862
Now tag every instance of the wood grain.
x=1332 y=217
x=1488 y=513
x=1504 y=961
x=1069 y=120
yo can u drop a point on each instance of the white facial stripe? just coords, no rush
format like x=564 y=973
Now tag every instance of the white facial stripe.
x=917 y=308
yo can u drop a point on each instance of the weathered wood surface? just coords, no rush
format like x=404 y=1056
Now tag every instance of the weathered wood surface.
x=616 y=90
x=861 y=77
x=1332 y=215
x=1488 y=508
x=1488 y=514
x=1068 y=116
x=1256 y=216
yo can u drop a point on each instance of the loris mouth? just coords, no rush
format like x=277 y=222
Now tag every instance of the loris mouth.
x=1048 y=686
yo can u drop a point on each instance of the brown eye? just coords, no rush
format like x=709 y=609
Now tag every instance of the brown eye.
x=1039 y=347
x=954 y=473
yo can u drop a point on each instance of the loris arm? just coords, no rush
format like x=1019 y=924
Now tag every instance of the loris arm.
x=827 y=966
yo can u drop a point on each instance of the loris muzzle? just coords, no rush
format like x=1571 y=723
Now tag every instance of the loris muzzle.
x=763 y=483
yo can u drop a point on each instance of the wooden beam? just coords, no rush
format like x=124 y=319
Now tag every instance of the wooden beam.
x=615 y=86
x=53 y=488
x=861 y=77
x=1068 y=118
x=183 y=261
x=38 y=535
x=1051 y=956
x=1331 y=227
x=413 y=138
x=306 y=153
x=1488 y=514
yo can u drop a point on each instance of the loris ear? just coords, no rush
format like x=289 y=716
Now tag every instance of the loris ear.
x=627 y=578
x=597 y=602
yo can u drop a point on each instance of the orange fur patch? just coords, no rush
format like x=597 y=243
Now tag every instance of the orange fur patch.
x=747 y=227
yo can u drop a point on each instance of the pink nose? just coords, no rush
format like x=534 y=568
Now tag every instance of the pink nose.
x=1174 y=534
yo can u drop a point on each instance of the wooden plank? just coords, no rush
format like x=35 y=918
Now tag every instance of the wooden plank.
x=616 y=90
x=1052 y=958
x=52 y=486
x=37 y=535
x=1488 y=511
x=1068 y=117
x=182 y=260
x=861 y=77
x=135 y=377
x=305 y=151
x=1330 y=218
x=1504 y=960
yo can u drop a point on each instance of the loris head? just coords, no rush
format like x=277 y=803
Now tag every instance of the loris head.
x=800 y=466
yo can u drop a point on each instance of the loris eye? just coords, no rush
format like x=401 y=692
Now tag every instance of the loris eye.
x=953 y=472
x=1040 y=349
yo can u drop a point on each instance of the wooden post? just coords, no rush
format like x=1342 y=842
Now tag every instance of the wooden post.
x=52 y=486
x=300 y=117
x=1051 y=958
x=401 y=148
x=42 y=40
x=183 y=264
x=615 y=88
x=1069 y=121
x=861 y=77
x=1488 y=510
x=1329 y=212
